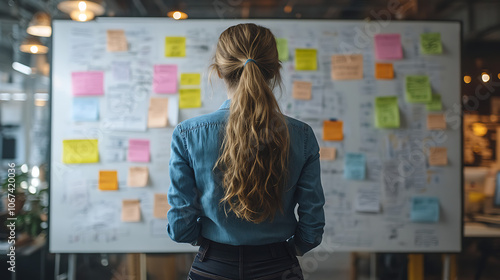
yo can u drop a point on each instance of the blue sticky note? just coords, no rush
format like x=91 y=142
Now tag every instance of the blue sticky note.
x=85 y=109
x=354 y=166
x=424 y=209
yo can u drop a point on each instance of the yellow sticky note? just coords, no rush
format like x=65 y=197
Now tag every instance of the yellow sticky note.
x=386 y=112
x=347 y=67
x=108 y=180
x=116 y=41
x=161 y=206
x=189 y=98
x=438 y=156
x=131 y=210
x=306 y=59
x=302 y=90
x=80 y=151
x=282 y=46
x=137 y=176
x=333 y=131
x=384 y=71
x=175 y=46
x=327 y=153
x=436 y=122
x=158 y=112
x=190 y=79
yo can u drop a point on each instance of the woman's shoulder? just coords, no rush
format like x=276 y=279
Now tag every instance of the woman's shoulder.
x=211 y=119
x=297 y=124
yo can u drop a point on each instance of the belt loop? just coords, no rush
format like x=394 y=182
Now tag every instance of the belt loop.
x=205 y=244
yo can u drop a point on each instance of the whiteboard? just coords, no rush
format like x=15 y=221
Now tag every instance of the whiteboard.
x=86 y=220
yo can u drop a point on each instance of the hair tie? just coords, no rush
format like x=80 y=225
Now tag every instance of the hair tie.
x=248 y=61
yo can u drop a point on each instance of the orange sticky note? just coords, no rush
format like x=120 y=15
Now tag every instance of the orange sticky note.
x=347 y=67
x=327 y=153
x=302 y=90
x=131 y=210
x=116 y=41
x=108 y=180
x=436 y=122
x=158 y=112
x=161 y=206
x=438 y=156
x=384 y=71
x=333 y=131
x=137 y=176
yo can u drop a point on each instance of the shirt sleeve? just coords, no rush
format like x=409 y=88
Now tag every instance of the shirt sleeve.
x=311 y=199
x=182 y=194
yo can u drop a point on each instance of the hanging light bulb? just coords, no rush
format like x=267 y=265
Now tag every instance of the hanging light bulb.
x=177 y=15
x=40 y=25
x=81 y=10
x=33 y=45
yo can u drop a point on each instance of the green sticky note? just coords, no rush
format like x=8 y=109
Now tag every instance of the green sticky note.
x=386 y=112
x=305 y=59
x=282 y=45
x=435 y=104
x=430 y=43
x=418 y=89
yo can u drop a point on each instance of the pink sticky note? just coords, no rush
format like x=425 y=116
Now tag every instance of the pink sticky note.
x=138 y=150
x=88 y=83
x=388 y=46
x=165 y=78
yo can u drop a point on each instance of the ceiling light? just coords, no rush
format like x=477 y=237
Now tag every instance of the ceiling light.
x=81 y=10
x=467 y=79
x=177 y=15
x=21 y=68
x=40 y=25
x=33 y=45
x=485 y=77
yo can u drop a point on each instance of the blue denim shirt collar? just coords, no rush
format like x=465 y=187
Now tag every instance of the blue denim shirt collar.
x=225 y=105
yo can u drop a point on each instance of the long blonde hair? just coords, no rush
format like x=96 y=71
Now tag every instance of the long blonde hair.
x=254 y=156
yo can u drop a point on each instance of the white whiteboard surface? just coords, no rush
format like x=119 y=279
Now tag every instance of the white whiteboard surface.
x=86 y=220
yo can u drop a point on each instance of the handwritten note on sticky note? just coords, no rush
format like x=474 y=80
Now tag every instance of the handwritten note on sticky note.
x=333 y=131
x=435 y=104
x=436 y=122
x=189 y=98
x=158 y=112
x=347 y=67
x=430 y=43
x=116 y=41
x=306 y=60
x=175 y=46
x=302 y=90
x=418 y=89
x=85 y=109
x=386 y=112
x=160 y=206
x=190 y=79
x=87 y=83
x=424 y=209
x=138 y=150
x=108 y=180
x=368 y=200
x=388 y=46
x=131 y=210
x=438 y=156
x=165 y=78
x=384 y=71
x=354 y=166
x=80 y=151
x=327 y=153
x=137 y=176
x=282 y=45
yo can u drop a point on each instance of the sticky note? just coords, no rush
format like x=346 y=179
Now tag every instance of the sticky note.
x=282 y=45
x=388 y=46
x=80 y=151
x=386 y=112
x=189 y=98
x=175 y=46
x=438 y=156
x=354 y=166
x=424 y=209
x=347 y=67
x=165 y=78
x=302 y=90
x=116 y=41
x=138 y=150
x=436 y=122
x=131 y=210
x=108 y=180
x=418 y=89
x=367 y=200
x=87 y=83
x=384 y=71
x=85 y=109
x=120 y=70
x=333 y=131
x=430 y=43
x=158 y=112
x=160 y=206
x=306 y=59
x=435 y=104
x=190 y=79
x=137 y=176
x=327 y=153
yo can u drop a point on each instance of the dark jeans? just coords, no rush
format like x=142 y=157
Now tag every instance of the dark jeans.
x=219 y=261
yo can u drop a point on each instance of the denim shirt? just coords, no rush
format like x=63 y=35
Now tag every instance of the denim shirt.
x=195 y=191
